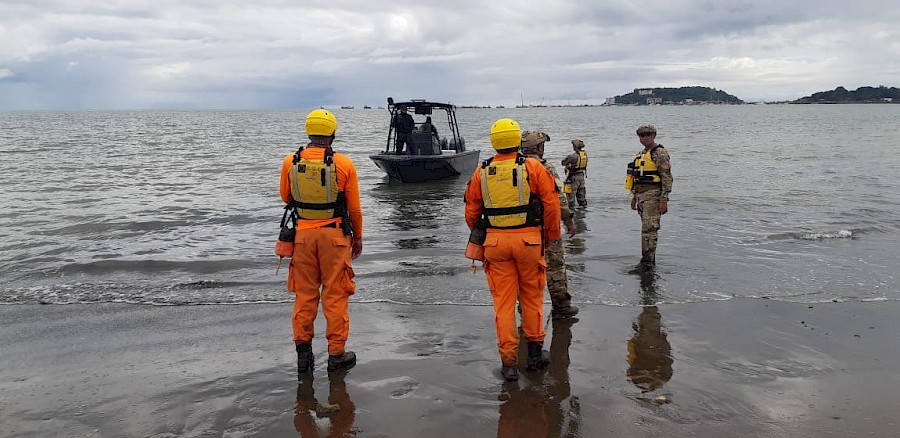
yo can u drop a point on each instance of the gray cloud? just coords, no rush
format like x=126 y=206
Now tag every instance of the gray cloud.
x=272 y=53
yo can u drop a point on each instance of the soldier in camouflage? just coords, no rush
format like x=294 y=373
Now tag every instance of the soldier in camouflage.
x=576 y=165
x=652 y=183
x=533 y=146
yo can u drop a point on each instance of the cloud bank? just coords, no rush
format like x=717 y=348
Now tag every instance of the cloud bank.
x=286 y=54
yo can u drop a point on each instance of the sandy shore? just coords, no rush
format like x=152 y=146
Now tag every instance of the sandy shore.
x=747 y=368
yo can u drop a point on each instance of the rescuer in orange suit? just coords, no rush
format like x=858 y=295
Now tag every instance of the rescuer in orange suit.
x=515 y=198
x=322 y=187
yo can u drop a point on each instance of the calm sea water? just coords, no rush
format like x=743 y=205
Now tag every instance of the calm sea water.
x=797 y=203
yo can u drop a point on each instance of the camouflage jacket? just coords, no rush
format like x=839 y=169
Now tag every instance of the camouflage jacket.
x=570 y=162
x=563 y=201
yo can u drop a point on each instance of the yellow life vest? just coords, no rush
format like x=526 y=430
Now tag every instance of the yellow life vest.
x=581 y=165
x=507 y=195
x=314 y=188
x=643 y=170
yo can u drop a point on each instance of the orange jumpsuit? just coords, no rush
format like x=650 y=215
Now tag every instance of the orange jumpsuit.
x=514 y=262
x=321 y=264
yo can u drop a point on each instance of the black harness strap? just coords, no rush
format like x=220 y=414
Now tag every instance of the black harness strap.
x=502 y=211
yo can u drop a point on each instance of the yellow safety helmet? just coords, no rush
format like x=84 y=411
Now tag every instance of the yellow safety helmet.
x=506 y=134
x=321 y=122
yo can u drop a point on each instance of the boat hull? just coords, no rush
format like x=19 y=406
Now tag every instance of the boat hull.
x=419 y=168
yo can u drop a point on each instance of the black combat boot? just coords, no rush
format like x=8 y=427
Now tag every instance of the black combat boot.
x=305 y=360
x=342 y=362
x=538 y=358
x=510 y=373
x=564 y=310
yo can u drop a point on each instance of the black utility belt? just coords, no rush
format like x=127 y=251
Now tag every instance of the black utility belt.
x=331 y=225
x=514 y=227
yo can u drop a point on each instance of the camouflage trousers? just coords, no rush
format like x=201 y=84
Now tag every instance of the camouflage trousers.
x=579 y=191
x=556 y=275
x=648 y=208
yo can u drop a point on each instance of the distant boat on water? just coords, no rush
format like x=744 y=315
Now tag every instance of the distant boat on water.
x=366 y=107
x=347 y=107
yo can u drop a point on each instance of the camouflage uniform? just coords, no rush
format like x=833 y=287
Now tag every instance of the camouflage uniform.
x=648 y=198
x=576 y=179
x=556 y=263
x=554 y=254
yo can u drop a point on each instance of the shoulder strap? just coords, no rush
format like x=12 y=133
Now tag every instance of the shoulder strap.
x=290 y=214
x=297 y=155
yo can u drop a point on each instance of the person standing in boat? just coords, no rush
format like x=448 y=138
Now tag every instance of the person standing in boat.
x=403 y=124
x=323 y=189
x=557 y=283
x=517 y=199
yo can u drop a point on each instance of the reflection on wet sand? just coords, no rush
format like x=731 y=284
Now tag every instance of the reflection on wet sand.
x=340 y=410
x=649 y=352
x=575 y=244
x=545 y=406
x=563 y=409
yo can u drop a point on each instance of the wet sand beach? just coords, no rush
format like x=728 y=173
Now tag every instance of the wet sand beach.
x=740 y=367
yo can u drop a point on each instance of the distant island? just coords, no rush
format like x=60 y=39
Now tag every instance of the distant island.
x=880 y=94
x=675 y=96
x=711 y=96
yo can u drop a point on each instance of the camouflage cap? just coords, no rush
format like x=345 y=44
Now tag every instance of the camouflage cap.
x=646 y=129
x=531 y=139
x=578 y=143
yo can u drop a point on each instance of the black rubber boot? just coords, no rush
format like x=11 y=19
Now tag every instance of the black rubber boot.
x=648 y=259
x=644 y=267
x=566 y=310
x=306 y=362
x=510 y=373
x=342 y=362
x=538 y=358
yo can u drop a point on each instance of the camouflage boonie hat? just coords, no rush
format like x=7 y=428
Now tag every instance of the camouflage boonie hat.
x=578 y=143
x=531 y=139
x=646 y=129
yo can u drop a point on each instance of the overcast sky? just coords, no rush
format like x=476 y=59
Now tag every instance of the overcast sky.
x=109 y=54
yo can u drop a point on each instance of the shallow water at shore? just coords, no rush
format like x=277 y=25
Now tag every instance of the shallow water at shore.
x=795 y=203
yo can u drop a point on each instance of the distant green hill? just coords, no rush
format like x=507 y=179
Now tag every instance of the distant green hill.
x=675 y=96
x=879 y=94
